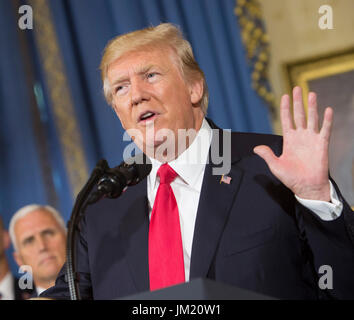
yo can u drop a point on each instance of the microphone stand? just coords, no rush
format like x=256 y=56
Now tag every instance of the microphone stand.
x=77 y=213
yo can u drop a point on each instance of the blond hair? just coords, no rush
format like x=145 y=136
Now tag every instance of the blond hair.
x=163 y=35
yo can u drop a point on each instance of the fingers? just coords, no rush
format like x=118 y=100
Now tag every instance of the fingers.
x=300 y=116
x=327 y=123
x=299 y=112
x=285 y=114
x=266 y=154
x=312 y=122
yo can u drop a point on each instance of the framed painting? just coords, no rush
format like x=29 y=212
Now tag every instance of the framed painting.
x=332 y=78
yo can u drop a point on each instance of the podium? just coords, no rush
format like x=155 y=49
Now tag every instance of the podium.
x=200 y=289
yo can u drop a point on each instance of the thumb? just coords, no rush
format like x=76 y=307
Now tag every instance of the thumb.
x=266 y=154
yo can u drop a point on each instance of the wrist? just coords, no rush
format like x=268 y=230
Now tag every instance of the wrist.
x=320 y=193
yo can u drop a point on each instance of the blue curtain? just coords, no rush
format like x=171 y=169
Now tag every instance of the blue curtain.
x=40 y=98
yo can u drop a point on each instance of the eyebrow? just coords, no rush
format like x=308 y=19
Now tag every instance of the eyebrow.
x=139 y=71
x=27 y=239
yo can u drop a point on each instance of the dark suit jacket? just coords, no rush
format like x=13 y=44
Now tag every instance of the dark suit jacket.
x=23 y=294
x=251 y=233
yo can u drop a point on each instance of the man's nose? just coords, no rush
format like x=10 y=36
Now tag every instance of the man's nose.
x=138 y=92
x=42 y=244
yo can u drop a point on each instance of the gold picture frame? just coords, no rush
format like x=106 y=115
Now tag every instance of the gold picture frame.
x=331 y=76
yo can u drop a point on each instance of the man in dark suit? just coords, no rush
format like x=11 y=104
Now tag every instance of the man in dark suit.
x=268 y=218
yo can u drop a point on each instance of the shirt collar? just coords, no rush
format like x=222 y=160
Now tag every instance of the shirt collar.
x=191 y=162
x=40 y=290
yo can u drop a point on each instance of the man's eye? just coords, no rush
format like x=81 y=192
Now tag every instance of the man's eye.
x=28 y=241
x=120 y=89
x=151 y=75
x=49 y=232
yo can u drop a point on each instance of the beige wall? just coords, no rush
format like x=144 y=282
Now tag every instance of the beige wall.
x=294 y=34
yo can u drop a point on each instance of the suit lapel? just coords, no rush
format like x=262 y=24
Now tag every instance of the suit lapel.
x=215 y=202
x=137 y=238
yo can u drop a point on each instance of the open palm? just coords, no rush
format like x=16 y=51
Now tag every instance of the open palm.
x=303 y=165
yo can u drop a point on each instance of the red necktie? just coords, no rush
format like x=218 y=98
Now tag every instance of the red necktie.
x=166 y=265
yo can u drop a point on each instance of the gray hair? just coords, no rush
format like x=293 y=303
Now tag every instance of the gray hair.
x=24 y=211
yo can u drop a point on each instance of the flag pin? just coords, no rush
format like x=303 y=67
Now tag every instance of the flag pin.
x=225 y=179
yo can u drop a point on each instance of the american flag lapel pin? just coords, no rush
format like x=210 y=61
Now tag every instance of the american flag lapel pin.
x=225 y=179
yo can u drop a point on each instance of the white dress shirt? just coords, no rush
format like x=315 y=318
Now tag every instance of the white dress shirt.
x=39 y=290
x=190 y=166
x=7 y=289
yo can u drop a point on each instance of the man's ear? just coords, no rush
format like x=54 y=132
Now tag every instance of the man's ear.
x=18 y=258
x=196 y=91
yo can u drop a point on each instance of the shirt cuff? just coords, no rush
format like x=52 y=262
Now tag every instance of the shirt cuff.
x=326 y=211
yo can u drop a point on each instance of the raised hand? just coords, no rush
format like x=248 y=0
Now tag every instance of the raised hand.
x=303 y=165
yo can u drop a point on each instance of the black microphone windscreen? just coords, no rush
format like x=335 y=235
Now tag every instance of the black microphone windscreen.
x=142 y=166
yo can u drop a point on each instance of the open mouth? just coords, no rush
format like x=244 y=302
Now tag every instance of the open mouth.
x=146 y=116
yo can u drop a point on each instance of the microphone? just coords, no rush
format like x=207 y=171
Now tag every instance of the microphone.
x=117 y=179
x=111 y=182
